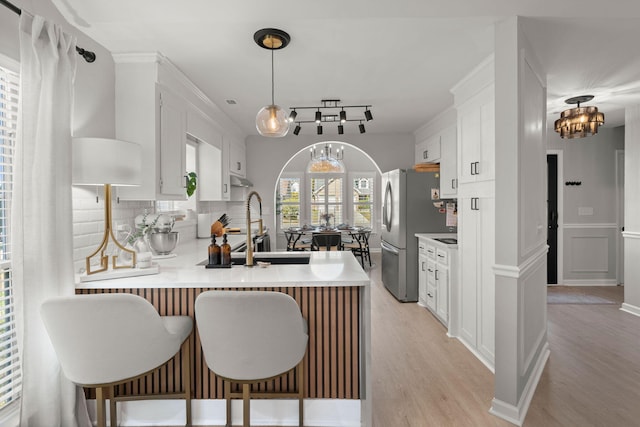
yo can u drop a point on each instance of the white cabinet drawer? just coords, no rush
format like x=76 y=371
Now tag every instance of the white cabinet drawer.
x=422 y=247
x=442 y=256
x=431 y=298
x=431 y=251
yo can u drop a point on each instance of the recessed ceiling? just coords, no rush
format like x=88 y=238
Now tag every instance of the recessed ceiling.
x=402 y=57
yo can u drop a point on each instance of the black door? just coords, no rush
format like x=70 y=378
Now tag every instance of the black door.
x=552 y=218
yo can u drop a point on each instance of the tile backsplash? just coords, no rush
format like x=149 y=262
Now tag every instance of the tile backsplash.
x=88 y=219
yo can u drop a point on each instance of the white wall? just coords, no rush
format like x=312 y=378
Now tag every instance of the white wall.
x=93 y=115
x=589 y=224
x=267 y=156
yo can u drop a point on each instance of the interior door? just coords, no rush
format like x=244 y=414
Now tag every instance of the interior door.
x=552 y=219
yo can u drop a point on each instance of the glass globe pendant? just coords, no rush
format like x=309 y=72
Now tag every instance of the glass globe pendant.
x=272 y=121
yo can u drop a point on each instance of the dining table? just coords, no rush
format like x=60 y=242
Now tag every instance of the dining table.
x=299 y=238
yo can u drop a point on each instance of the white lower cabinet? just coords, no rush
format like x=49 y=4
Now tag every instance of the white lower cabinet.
x=477 y=282
x=436 y=274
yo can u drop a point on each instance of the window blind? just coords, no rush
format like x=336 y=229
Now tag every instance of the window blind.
x=10 y=375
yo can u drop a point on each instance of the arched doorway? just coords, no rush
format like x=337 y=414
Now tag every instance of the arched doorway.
x=351 y=197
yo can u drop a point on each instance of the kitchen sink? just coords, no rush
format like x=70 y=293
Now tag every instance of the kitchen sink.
x=448 y=240
x=240 y=259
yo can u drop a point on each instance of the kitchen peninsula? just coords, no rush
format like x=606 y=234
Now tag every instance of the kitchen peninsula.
x=333 y=293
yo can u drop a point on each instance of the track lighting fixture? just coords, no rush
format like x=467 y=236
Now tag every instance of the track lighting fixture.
x=296 y=130
x=319 y=129
x=339 y=117
x=272 y=120
x=368 y=115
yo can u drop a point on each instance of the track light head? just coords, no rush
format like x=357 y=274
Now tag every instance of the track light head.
x=340 y=129
x=296 y=130
x=367 y=115
x=292 y=115
x=343 y=116
x=361 y=127
x=319 y=129
x=318 y=116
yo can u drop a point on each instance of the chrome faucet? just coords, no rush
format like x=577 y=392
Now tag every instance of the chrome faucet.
x=249 y=258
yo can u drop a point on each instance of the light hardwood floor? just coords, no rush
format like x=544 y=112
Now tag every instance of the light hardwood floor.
x=423 y=378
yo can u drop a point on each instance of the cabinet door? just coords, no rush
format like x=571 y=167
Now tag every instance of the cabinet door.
x=468 y=143
x=420 y=148
x=237 y=161
x=448 y=164
x=422 y=279
x=442 y=294
x=173 y=139
x=226 y=181
x=468 y=248
x=209 y=172
x=486 y=167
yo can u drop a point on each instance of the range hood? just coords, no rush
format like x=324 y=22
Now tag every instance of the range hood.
x=237 y=181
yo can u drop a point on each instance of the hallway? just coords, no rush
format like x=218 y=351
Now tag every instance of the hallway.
x=423 y=378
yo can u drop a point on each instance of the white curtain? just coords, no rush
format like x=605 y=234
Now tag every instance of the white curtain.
x=41 y=228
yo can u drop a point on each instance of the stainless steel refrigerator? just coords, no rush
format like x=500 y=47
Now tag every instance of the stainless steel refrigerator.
x=407 y=208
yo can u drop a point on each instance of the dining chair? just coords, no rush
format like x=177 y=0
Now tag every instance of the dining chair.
x=296 y=241
x=103 y=340
x=249 y=337
x=326 y=241
x=356 y=244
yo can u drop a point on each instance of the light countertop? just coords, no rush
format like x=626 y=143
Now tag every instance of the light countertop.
x=433 y=236
x=335 y=268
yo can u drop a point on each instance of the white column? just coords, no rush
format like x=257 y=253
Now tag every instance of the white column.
x=520 y=293
x=631 y=208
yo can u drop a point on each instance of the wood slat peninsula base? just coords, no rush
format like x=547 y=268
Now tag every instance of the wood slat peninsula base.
x=332 y=363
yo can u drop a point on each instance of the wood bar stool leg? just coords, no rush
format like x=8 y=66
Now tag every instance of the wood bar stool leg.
x=113 y=415
x=300 y=374
x=100 y=406
x=246 y=408
x=186 y=377
x=227 y=393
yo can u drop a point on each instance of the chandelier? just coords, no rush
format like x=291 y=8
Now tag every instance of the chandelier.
x=580 y=121
x=328 y=113
x=324 y=160
x=272 y=120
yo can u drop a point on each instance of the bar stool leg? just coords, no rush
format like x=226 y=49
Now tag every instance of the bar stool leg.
x=186 y=377
x=246 y=409
x=113 y=415
x=100 y=407
x=227 y=393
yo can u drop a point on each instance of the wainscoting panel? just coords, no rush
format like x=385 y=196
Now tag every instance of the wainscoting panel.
x=332 y=362
x=590 y=253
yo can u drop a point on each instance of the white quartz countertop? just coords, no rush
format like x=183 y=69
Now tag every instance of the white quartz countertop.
x=335 y=268
x=433 y=236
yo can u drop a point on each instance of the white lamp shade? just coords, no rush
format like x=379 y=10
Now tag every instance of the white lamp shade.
x=99 y=161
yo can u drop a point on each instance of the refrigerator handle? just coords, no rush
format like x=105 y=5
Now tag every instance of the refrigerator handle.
x=389 y=248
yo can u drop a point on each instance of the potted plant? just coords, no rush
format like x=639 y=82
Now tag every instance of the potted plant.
x=191 y=183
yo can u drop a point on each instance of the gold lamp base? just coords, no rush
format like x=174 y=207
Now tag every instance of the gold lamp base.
x=108 y=235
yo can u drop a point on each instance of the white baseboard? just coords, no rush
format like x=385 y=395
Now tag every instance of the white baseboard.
x=631 y=309
x=477 y=354
x=273 y=412
x=516 y=414
x=589 y=282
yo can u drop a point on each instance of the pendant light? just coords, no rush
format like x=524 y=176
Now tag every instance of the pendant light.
x=272 y=120
x=580 y=121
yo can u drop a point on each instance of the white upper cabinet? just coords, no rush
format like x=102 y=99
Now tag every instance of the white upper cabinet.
x=237 y=159
x=173 y=139
x=429 y=151
x=448 y=164
x=476 y=138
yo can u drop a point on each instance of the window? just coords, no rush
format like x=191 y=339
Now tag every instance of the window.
x=288 y=202
x=10 y=378
x=362 y=186
x=326 y=198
